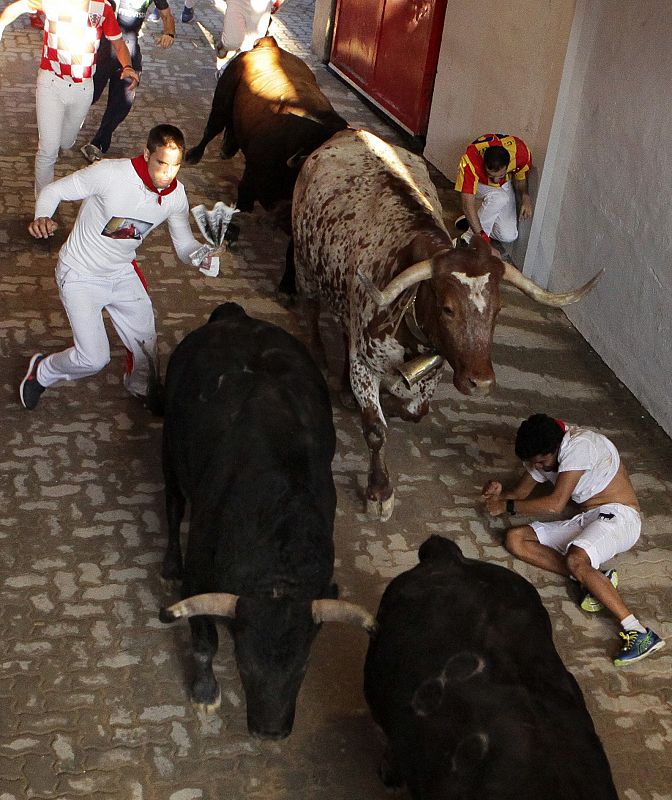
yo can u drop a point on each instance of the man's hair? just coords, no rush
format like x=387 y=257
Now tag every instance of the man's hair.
x=496 y=157
x=538 y=435
x=165 y=136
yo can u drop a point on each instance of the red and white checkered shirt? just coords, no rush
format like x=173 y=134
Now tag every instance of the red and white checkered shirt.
x=72 y=33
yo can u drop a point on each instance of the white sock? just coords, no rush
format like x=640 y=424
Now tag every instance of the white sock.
x=189 y=3
x=631 y=623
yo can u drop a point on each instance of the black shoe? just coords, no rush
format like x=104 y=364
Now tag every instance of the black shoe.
x=31 y=389
x=187 y=14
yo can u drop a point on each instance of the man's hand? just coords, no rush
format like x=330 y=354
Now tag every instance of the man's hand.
x=130 y=75
x=42 y=227
x=495 y=506
x=525 y=207
x=492 y=489
x=491 y=494
x=166 y=40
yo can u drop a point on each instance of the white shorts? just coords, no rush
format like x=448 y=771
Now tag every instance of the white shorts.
x=602 y=532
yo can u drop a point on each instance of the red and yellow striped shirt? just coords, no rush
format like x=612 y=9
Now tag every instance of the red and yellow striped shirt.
x=471 y=171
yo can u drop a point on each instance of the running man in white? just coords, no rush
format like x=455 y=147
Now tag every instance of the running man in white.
x=124 y=200
x=586 y=467
x=245 y=21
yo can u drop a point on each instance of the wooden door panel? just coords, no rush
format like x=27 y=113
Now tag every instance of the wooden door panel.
x=389 y=49
x=356 y=38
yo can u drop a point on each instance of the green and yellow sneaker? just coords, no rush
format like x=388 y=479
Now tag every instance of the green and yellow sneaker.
x=637 y=645
x=592 y=604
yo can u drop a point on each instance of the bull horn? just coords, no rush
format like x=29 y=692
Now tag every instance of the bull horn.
x=421 y=271
x=543 y=296
x=297 y=159
x=218 y=604
x=342 y=611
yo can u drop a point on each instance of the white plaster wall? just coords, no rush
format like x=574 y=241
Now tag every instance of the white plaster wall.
x=323 y=28
x=609 y=194
x=499 y=70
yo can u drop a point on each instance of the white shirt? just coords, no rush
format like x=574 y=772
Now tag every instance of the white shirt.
x=583 y=450
x=117 y=214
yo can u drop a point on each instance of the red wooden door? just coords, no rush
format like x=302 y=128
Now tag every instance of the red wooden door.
x=388 y=49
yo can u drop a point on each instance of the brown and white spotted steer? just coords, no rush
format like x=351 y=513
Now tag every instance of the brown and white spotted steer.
x=371 y=244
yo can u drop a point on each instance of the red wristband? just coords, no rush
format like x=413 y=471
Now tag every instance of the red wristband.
x=484 y=235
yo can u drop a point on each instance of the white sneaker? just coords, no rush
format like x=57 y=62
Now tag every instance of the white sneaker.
x=91 y=153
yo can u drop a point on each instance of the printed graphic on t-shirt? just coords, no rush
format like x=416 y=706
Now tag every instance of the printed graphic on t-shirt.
x=126 y=228
x=131 y=14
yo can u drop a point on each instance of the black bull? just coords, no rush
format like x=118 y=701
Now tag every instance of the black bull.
x=248 y=440
x=272 y=109
x=465 y=681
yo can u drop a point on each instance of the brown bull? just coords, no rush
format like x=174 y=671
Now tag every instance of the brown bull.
x=370 y=242
x=269 y=105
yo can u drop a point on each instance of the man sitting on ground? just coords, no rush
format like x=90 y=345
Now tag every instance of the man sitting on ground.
x=493 y=172
x=586 y=467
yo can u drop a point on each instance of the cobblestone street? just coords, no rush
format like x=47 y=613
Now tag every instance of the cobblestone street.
x=94 y=690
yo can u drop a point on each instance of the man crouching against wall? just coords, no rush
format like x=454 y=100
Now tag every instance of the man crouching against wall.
x=585 y=466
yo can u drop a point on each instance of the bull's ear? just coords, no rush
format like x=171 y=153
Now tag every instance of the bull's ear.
x=333 y=591
x=439 y=547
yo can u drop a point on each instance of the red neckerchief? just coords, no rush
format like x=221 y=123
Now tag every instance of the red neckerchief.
x=561 y=424
x=140 y=166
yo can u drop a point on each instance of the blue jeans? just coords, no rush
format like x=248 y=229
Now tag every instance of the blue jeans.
x=119 y=97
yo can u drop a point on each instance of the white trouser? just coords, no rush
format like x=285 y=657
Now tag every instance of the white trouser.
x=130 y=310
x=497 y=213
x=245 y=21
x=62 y=106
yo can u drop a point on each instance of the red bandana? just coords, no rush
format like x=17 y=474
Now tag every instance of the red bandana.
x=561 y=424
x=140 y=166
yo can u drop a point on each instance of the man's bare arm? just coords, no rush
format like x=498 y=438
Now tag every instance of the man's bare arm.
x=12 y=12
x=522 y=190
x=470 y=209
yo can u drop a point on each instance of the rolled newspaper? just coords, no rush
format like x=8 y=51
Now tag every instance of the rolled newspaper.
x=214 y=224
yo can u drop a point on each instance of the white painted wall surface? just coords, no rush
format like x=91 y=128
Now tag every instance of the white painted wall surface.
x=323 y=28
x=498 y=71
x=609 y=192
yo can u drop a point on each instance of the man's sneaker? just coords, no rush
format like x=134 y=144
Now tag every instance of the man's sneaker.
x=31 y=389
x=592 y=604
x=187 y=14
x=637 y=645
x=461 y=224
x=153 y=15
x=91 y=153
